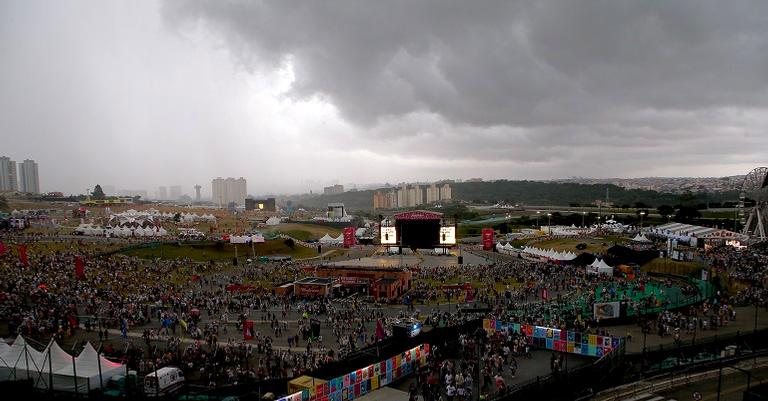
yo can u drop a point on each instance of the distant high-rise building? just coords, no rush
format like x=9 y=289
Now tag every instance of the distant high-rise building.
x=197 y=193
x=433 y=193
x=384 y=200
x=230 y=190
x=415 y=196
x=175 y=192
x=333 y=190
x=8 y=180
x=445 y=192
x=28 y=179
x=162 y=193
x=402 y=196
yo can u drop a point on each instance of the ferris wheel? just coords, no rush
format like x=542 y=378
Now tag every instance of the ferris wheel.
x=753 y=203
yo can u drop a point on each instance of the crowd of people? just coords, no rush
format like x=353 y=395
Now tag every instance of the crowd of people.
x=185 y=313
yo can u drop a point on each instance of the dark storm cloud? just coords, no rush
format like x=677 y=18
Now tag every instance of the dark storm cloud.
x=525 y=63
x=149 y=93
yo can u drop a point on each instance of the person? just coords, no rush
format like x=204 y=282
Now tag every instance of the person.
x=450 y=392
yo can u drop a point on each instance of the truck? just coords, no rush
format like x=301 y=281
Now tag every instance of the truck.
x=164 y=381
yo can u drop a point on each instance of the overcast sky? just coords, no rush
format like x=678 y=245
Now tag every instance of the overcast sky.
x=297 y=95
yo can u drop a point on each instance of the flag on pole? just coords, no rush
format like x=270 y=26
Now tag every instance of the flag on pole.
x=380 y=333
x=79 y=268
x=544 y=294
x=248 y=330
x=23 y=257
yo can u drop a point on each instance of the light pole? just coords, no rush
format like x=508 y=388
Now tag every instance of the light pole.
x=582 y=218
x=538 y=212
x=641 y=221
x=549 y=223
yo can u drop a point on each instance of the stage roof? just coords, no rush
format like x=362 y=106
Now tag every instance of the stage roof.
x=418 y=215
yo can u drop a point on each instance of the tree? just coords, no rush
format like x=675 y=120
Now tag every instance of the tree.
x=687 y=214
x=177 y=217
x=665 y=210
x=3 y=204
x=98 y=193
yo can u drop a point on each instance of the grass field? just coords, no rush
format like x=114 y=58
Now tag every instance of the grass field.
x=594 y=245
x=662 y=265
x=214 y=252
x=304 y=231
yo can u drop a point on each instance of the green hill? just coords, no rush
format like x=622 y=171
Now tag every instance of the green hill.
x=525 y=192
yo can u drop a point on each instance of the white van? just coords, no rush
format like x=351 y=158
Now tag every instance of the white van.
x=163 y=381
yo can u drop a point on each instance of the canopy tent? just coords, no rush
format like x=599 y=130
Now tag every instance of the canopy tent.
x=550 y=253
x=273 y=221
x=54 y=359
x=339 y=239
x=88 y=372
x=327 y=239
x=600 y=267
x=4 y=347
x=257 y=238
x=19 y=361
x=641 y=238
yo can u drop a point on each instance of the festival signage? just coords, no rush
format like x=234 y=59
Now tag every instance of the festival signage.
x=360 y=382
x=607 y=310
x=487 y=236
x=388 y=235
x=448 y=235
x=554 y=339
x=349 y=237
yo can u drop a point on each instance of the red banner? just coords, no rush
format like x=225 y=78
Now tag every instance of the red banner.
x=23 y=257
x=248 y=330
x=487 y=239
x=79 y=268
x=3 y=249
x=470 y=294
x=349 y=237
x=544 y=294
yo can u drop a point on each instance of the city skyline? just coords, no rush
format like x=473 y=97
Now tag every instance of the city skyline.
x=536 y=90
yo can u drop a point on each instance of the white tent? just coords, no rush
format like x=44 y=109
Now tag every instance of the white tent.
x=4 y=347
x=600 y=267
x=54 y=359
x=327 y=239
x=273 y=221
x=641 y=238
x=339 y=239
x=19 y=361
x=257 y=238
x=88 y=372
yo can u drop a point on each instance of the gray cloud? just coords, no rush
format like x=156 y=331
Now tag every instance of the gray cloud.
x=140 y=94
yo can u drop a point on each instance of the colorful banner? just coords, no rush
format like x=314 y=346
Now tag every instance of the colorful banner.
x=554 y=339
x=3 y=249
x=79 y=268
x=360 y=382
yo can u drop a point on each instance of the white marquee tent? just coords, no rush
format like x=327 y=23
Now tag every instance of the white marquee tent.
x=19 y=360
x=600 y=267
x=88 y=372
x=641 y=238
